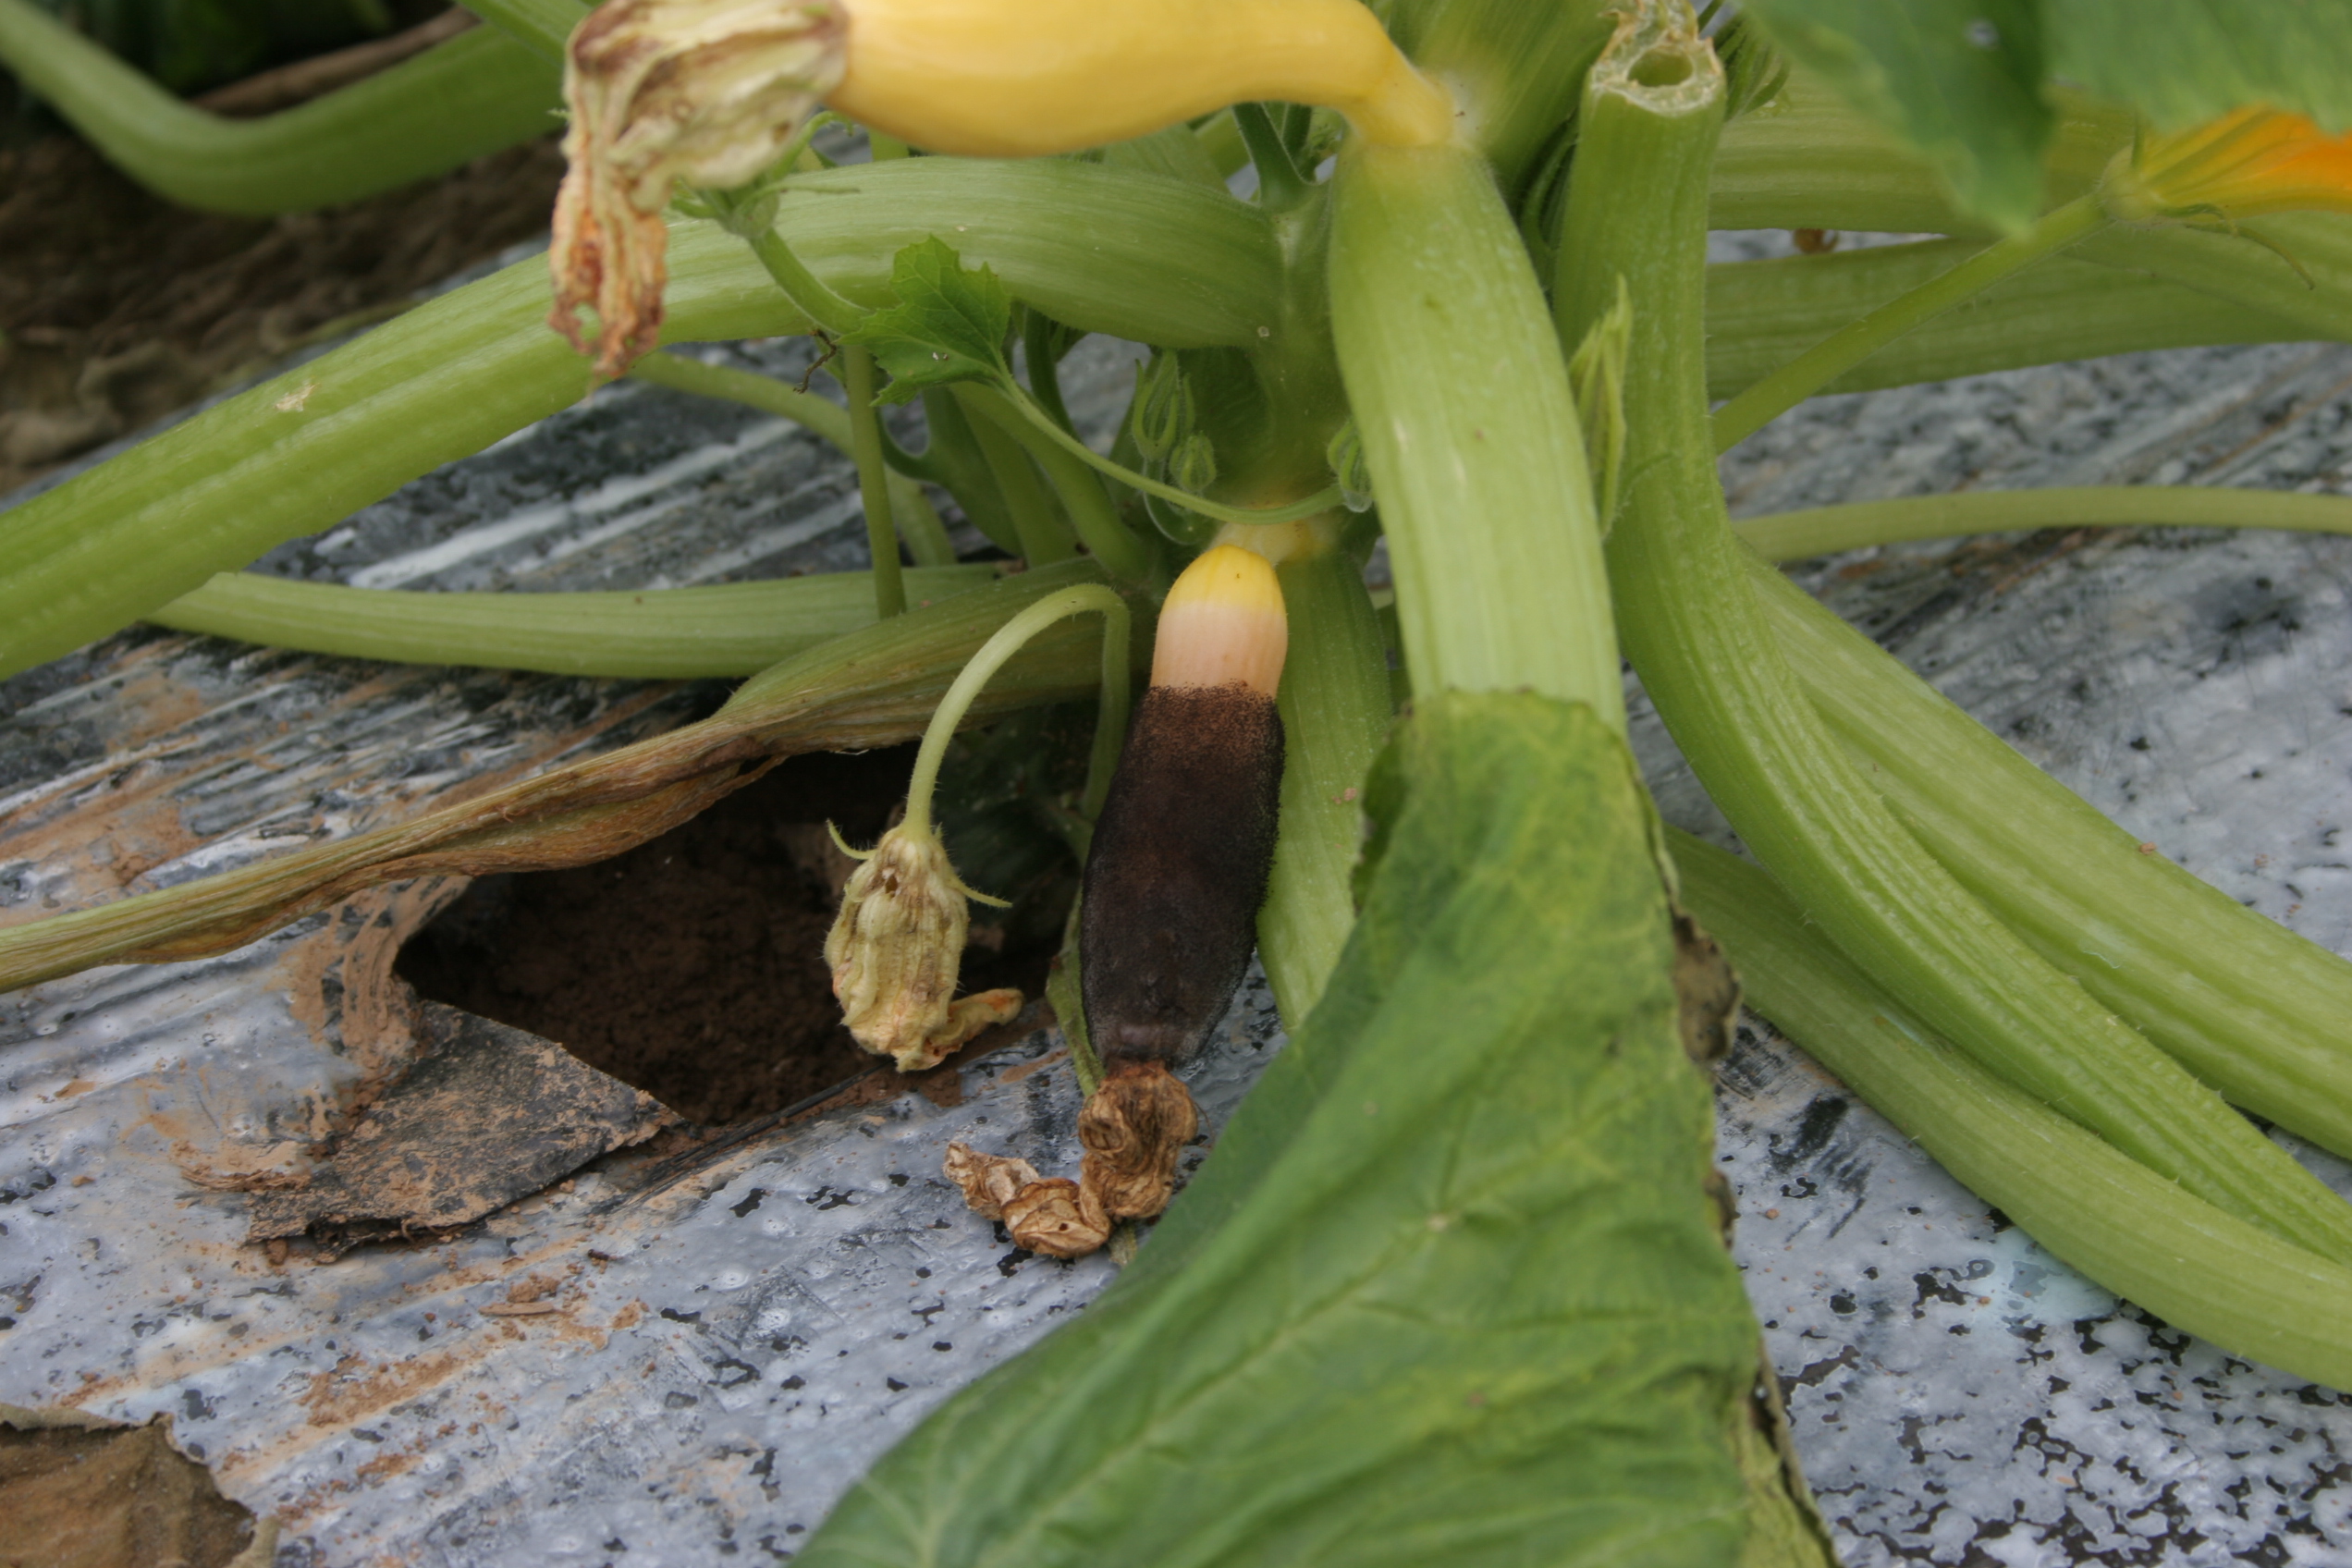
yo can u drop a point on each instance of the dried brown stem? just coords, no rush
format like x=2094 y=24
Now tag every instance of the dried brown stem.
x=872 y=688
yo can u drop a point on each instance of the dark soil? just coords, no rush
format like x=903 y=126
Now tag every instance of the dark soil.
x=118 y=308
x=109 y=1497
x=693 y=967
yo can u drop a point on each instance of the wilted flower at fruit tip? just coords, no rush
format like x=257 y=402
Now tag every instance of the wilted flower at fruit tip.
x=2247 y=163
x=1134 y=1129
x=896 y=949
x=709 y=92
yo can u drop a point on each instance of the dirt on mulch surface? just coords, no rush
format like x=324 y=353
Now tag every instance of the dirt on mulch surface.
x=693 y=967
x=78 y=1492
x=119 y=307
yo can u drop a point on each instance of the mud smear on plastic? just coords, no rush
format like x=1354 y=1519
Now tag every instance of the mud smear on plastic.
x=491 y=1115
x=77 y=1492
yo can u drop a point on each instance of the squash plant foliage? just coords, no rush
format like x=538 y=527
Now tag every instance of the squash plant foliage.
x=1451 y=1288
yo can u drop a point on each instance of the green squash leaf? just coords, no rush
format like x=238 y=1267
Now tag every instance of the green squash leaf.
x=2182 y=61
x=1957 y=80
x=1963 y=82
x=1450 y=1289
x=949 y=324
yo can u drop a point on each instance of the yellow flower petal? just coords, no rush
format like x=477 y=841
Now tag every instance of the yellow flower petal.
x=2247 y=163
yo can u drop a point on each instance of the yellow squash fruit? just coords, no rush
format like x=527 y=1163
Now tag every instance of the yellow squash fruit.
x=711 y=92
x=1013 y=81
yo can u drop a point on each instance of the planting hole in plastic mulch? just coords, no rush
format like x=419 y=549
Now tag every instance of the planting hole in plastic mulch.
x=693 y=967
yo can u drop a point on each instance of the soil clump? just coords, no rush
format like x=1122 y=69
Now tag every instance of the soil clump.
x=692 y=966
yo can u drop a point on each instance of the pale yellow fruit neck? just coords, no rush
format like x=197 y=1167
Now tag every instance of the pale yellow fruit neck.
x=1223 y=624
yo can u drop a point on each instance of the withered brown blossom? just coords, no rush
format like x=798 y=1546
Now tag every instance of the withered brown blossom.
x=1132 y=1129
x=1057 y=1216
x=709 y=92
x=1054 y=1216
x=989 y=1181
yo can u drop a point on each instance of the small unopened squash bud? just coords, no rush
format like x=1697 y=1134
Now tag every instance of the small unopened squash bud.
x=1192 y=466
x=1162 y=412
x=1345 y=454
x=1181 y=852
x=896 y=949
x=1134 y=1129
x=708 y=91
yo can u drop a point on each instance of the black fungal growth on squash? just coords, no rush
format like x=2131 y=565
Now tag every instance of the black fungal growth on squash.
x=1179 y=868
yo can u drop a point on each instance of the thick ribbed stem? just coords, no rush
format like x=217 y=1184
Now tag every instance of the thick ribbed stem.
x=2122 y=1224
x=471 y=94
x=2247 y=1005
x=1461 y=400
x=731 y=630
x=1822 y=531
x=1710 y=662
x=1157 y=261
x=1336 y=710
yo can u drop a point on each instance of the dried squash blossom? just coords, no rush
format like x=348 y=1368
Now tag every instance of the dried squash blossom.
x=896 y=950
x=704 y=90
